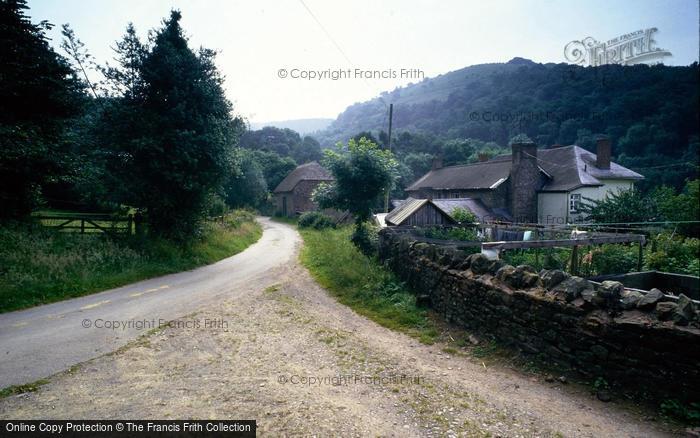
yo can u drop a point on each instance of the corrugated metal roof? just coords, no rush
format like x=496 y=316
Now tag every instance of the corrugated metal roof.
x=406 y=209
x=306 y=172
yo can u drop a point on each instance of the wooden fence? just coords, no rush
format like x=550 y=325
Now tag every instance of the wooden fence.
x=543 y=237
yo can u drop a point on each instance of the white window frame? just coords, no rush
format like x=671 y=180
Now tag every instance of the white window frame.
x=574 y=202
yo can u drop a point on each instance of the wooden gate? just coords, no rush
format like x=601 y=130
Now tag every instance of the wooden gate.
x=86 y=222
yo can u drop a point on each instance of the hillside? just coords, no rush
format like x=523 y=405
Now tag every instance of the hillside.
x=302 y=126
x=650 y=112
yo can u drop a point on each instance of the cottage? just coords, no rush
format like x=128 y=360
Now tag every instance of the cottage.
x=417 y=212
x=293 y=194
x=531 y=184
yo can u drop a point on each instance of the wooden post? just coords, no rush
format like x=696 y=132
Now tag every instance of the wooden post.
x=138 y=223
x=129 y=222
x=640 y=257
x=82 y=226
x=574 y=260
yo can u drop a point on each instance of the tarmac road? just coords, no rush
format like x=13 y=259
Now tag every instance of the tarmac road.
x=41 y=341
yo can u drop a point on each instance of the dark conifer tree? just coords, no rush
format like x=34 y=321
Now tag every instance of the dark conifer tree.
x=38 y=92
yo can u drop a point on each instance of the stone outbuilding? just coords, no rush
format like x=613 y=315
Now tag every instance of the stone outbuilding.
x=293 y=194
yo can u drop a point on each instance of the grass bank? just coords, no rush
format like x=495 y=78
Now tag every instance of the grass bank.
x=40 y=266
x=363 y=284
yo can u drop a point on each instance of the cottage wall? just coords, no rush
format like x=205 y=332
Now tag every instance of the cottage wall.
x=553 y=208
x=302 y=196
x=280 y=203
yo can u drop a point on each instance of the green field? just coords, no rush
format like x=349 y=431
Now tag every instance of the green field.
x=39 y=266
x=363 y=284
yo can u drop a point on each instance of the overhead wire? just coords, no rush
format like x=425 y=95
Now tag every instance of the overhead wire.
x=343 y=54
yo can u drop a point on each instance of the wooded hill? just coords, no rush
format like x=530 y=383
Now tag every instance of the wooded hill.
x=650 y=112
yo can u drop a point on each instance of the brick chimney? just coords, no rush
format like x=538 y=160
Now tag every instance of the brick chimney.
x=524 y=180
x=437 y=162
x=603 y=153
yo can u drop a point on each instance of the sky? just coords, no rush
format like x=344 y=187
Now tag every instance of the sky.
x=258 y=42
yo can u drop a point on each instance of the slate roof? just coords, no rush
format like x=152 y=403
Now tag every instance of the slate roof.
x=482 y=213
x=306 y=172
x=483 y=175
x=566 y=168
x=572 y=167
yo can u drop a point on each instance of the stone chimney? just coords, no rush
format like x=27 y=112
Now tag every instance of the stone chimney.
x=524 y=180
x=483 y=157
x=603 y=153
x=437 y=162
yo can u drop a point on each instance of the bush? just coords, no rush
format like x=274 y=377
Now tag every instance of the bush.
x=315 y=220
x=547 y=258
x=216 y=206
x=611 y=259
x=456 y=233
x=674 y=254
x=463 y=216
x=689 y=413
x=238 y=217
x=365 y=238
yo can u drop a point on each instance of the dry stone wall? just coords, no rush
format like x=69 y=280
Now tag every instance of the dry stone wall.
x=650 y=342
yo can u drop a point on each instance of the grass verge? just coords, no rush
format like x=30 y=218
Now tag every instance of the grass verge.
x=21 y=389
x=41 y=266
x=363 y=284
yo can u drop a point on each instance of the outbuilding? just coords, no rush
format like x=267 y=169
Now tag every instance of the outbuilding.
x=418 y=212
x=293 y=194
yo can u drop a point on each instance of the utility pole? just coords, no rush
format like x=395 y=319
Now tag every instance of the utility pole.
x=391 y=117
x=388 y=146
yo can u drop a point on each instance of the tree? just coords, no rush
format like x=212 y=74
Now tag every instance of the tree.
x=684 y=206
x=247 y=187
x=419 y=163
x=274 y=166
x=362 y=173
x=124 y=79
x=308 y=150
x=173 y=131
x=365 y=134
x=75 y=49
x=38 y=93
x=624 y=206
x=457 y=151
x=272 y=139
